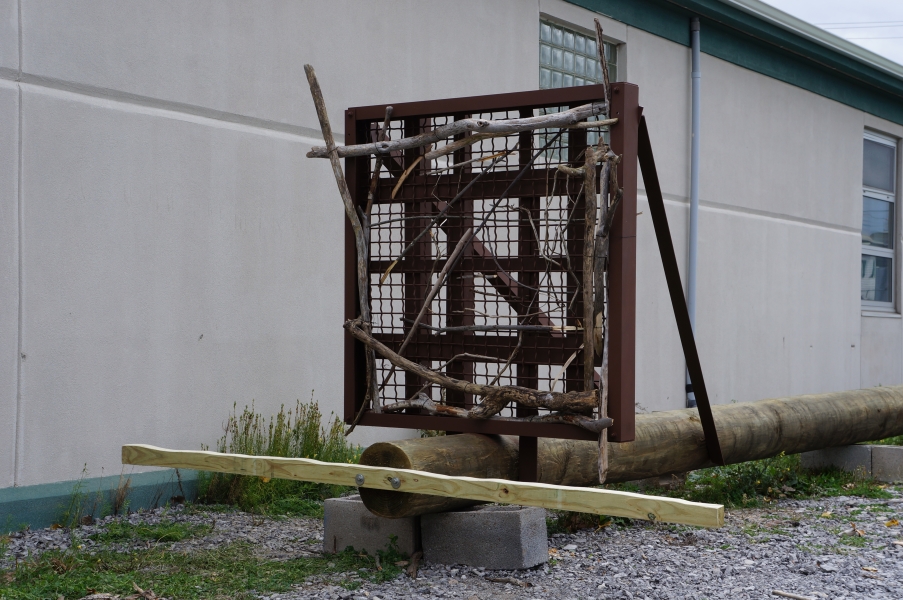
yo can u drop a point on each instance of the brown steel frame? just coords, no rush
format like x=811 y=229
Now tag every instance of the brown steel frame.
x=622 y=309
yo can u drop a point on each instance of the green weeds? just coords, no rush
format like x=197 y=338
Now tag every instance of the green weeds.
x=232 y=571
x=891 y=441
x=165 y=531
x=758 y=483
x=744 y=485
x=291 y=433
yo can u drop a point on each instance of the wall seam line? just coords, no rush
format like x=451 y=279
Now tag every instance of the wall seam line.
x=185 y=108
x=712 y=206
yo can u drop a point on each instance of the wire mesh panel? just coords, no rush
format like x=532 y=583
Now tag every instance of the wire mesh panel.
x=507 y=225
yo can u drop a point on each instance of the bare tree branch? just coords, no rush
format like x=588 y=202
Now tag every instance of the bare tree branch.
x=601 y=50
x=360 y=236
x=589 y=227
x=374 y=180
x=551 y=121
x=494 y=398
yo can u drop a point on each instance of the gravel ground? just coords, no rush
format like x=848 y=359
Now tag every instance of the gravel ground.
x=826 y=548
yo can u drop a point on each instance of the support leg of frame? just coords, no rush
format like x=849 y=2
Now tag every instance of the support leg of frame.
x=528 y=459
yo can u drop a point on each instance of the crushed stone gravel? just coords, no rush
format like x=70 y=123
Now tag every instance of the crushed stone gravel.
x=839 y=548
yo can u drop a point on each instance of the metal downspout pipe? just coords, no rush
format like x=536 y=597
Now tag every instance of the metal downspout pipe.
x=696 y=79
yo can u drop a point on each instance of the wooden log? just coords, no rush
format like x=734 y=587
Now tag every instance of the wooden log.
x=666 y=442
x=594 y=501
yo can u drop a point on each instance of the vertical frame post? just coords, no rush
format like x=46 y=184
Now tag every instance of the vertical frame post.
x=353 y=350
x=622 y=271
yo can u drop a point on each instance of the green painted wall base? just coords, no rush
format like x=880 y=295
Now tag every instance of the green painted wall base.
x=39 y=506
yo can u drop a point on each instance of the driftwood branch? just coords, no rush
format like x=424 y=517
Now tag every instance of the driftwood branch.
x=494 y=398
x=441 y=215
x=551 y=121
x=440 y=281
x=498 y=155
x=458 y=144
x=360 y=236
x=589 y=227
x=608 y=209
x=594 y=124
x=479 y=137
x=601 y=248
x=600 y=48
x=520 y=340
x=427 y=405
x=374 y=180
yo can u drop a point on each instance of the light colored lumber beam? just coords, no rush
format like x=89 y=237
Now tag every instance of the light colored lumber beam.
x=587 y=500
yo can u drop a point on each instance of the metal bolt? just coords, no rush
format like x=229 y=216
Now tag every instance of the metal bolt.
x=395 y=481
x=359 y=480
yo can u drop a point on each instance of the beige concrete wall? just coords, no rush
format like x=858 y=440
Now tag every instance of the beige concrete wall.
x=175 y=238
x=9 y=278
x=882 y=351
x=882 y=333
x=168 y=198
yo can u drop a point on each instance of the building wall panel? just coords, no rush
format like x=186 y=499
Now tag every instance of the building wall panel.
x=882 y=351
x=247 y=58
x=173 y=268
x=9 y=277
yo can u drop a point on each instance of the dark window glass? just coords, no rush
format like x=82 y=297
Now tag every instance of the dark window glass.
x=877 y=278
x=877 y=223
x=878 y=166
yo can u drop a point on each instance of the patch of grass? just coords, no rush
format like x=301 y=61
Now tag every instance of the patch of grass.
x=166 y=531
x=757 y=483
x=744 y=485
x=291 y=433
x=891 y=441
x=71 y=514
x=232 y=571
x=565 y=521
x=853 y=540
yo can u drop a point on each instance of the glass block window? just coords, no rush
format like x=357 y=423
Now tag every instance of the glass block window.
x=568 y=58
x=879 y=175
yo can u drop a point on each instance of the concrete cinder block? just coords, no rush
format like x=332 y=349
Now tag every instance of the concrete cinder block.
x=492 y=537
x=347 y=522
x=887 y=463
x=848 y=458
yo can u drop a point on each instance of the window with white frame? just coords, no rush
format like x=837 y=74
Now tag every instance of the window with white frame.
x=879 y=174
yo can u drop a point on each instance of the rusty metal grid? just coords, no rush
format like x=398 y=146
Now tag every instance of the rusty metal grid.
x=523 y=268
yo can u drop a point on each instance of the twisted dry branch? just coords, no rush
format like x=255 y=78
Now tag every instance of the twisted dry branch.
x=426 y=404
x=495 y=398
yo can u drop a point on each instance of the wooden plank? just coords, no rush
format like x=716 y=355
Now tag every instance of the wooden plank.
x=587 y=500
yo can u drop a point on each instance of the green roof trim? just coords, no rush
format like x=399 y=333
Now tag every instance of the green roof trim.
x=732 y=32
